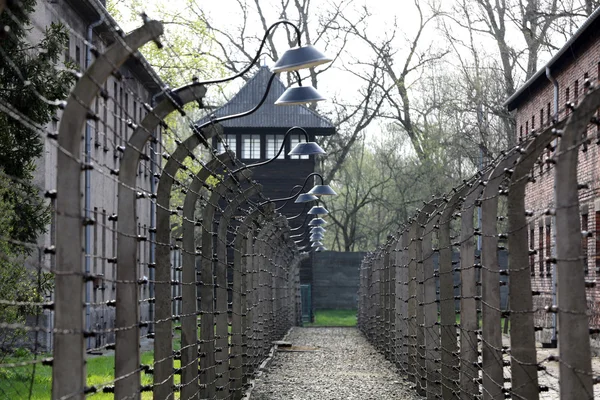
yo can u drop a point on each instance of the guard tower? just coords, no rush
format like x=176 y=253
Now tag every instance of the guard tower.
x=259 y=136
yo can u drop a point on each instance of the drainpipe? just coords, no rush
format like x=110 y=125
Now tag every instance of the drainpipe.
x=88 y=185
x=555 y=116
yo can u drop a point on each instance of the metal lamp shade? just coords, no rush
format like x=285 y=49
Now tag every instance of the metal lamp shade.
x=316 y=244
x=318 y=210
x=320 y=249
x=322 y=190
x=306 y=149
x=305 y=198
x=318 y=229
x=299 y=58
x=317 y=222
x=299 y=95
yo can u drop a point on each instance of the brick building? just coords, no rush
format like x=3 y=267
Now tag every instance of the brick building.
x=128 y=91
x=540 y=100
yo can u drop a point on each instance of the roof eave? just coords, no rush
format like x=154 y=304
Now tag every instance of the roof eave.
x=510 y=103
x=138 y=65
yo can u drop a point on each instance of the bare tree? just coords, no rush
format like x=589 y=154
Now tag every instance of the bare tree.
x=398 y=62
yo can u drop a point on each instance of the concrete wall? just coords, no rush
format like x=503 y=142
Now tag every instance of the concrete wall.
x=335 y=279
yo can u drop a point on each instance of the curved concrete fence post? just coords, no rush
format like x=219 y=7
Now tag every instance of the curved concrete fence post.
x=416 y=274
x=175 y=100
x=379 y=330
x=234 y=366
x=449 y=345
x=576 y=378
x=394 y=260
x=163 y=350
x=402 y=312
x=524 y=378
x=386 y=299
x=389 y=299
x=245 y=261
x=469 y=322
x=430 y=310
x=469 y=294
x=370 y=326
x=214 y=378
x=272 y=249
x=189 y=320
x=242 y=274
x=264 y=276
x=393 y=243
x=491 y=347
x=69 y=372
x=126 y=244
x=255 y=293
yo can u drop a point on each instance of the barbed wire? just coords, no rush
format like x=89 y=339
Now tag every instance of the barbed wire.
x=256 y=300
x=431 y=301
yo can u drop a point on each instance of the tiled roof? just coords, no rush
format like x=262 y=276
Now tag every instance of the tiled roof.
x=269 y=115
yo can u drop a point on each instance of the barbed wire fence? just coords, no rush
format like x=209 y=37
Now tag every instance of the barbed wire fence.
x=211 y=294
x=430 y=299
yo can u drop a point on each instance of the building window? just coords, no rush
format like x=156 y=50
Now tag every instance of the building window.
x=531 y=250
x=78 y=56
x=541 y=118
x=584 y=242
x=68 y=51
x=567 y=99
x=251 y=147
x=105 y=119
x=576 y=91
x=548 y=247
x=122 y=111
x=541 y=248
x=230 y=141
x=527 y=127
x=115 y=113
x=548 y=112
x=532 y=122
x=521 y=131
x=274 y=143
x=597 y=235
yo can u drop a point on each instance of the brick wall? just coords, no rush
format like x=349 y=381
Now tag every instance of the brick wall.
x=534 y=113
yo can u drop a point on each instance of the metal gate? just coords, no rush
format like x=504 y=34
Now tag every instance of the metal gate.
x=305 y=293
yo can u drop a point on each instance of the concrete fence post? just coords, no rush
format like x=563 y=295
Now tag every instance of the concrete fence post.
x=189 y=320
x=523 y=364
x=430 y=309
x=232 y=360
x=491 y=349
x=573 y=322
x=69 y=372
x=214 y=378
x=469 y=322
x=419 y=276
x=163 y=318
x=449 y=345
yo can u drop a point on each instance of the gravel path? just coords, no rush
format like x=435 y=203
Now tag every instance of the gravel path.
x=345 y=366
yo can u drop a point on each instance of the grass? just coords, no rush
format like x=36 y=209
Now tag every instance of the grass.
x=15 y=382
x=334 y=318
